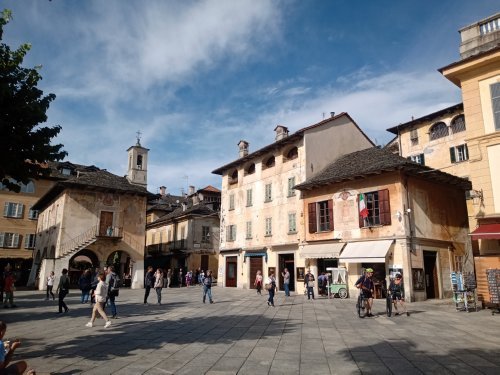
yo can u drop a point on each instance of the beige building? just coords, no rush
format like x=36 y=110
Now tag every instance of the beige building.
x=187 y=236
x=375 y=209
x=261 y=213
x=18 y=225
x=93 y=215
x=477 y=74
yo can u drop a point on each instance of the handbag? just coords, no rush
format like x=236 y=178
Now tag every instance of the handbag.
x=267 y=286
x=310 y=284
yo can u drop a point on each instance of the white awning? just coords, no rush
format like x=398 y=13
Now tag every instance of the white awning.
x=323 y=250
x=366 y=252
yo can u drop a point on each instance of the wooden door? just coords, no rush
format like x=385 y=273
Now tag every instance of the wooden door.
x=105 y=222
x=255 y=265
x=430 y=270
x=231 y=271
x=204 y=262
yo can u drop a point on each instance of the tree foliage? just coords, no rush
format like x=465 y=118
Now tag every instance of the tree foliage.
x=24 y=145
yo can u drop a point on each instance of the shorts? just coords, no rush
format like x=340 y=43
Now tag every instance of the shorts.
x=397 y=296
x=367 y=294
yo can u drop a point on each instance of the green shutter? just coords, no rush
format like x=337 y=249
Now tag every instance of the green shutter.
x=313 y=227
x=452 y=155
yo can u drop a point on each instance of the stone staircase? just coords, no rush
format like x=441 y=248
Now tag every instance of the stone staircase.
x=71 y=247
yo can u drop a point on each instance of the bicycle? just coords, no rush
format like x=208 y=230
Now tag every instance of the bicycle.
x=361 y=304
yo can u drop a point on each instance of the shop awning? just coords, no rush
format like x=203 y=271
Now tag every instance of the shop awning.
x=486 y=232
x=366 y=252
x=323 y=250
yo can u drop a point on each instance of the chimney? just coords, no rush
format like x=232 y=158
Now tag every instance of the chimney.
x=184 y=206
x=191 y=190
x=163 y=190
x=332 y=114
x=243 y=146
x=281 y=132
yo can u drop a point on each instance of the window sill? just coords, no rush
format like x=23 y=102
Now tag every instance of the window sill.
x=268 y=201
x=268 y=235
x=249 y=205
x=372 y=226
x=292 y=232
x=248 y=238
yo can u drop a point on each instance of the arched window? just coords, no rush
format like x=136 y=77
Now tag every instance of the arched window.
x=250 y=169
x=293 y=153
x=269 y=162
x=458 y=124
x=233 y=177
x=438 y=130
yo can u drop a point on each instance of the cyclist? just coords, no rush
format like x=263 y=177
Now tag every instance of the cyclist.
x=367 y=288
x=398 y=292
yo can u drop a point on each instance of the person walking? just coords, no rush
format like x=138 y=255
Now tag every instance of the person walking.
x=149 y=281
x=158 y=285
x=207 y=287
x=9 y=280
x=398 y=294
x=181 y=276
x=286 y=282
x=84 y=285
x=169 y=277
x=271 y=288
x=101 y=293
x=258 y=282
x=63 y=290
x=367 y=288
x=309 y=284
x=50 y=285
x=112 y=280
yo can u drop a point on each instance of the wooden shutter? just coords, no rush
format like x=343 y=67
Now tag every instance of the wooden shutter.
x=452 y=154
x=2 y=236
x=422 y=159
x=384 y=207
x=6 y=209
x=313 y=224
x=330 y=213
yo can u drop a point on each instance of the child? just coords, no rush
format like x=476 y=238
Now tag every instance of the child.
x=6 y=353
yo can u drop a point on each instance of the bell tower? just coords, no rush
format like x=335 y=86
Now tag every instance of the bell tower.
x=137 y=172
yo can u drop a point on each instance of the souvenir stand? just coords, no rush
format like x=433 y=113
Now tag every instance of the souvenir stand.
x=464 y=291
x=337 y=282
x=493 y=277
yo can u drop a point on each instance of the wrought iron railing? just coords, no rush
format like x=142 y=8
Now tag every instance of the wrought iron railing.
x=79 y=240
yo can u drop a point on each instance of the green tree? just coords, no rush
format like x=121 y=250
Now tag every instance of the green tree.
x=24 y=145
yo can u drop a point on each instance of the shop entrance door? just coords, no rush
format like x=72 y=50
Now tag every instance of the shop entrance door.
x=231 y=271
x=255 y=265
x=430 y=271
x=287 y=261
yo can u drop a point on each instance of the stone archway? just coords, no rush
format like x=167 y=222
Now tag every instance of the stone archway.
x=81 y=261
x=123 y=263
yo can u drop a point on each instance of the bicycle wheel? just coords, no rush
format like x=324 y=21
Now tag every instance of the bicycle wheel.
x=388 y=307
x=359 y=305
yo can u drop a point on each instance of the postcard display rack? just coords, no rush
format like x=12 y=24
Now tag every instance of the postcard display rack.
x=464 y=291
x=493 y=277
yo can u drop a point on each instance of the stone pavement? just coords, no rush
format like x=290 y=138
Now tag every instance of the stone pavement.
x=240 y=334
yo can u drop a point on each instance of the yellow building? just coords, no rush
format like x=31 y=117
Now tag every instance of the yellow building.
x=18 y=225
x=477 y=74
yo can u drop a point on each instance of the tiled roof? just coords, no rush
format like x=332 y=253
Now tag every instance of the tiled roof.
x=374 y=161
x=289 y=139
x=194 y=210
x=87 y=178
x=427 y=118
x=210 y=188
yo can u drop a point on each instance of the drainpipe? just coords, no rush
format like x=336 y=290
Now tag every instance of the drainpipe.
x=409 y=241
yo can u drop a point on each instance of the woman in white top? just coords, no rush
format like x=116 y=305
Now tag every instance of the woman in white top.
x=100 y=294
x=158 y=284
x=50 y=285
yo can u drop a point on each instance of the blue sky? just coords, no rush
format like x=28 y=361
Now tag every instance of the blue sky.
x=195 y=77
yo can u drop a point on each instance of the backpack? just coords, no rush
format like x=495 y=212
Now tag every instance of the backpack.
x=115 y=282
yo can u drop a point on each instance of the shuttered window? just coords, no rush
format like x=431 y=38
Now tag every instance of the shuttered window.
x=10 y=240
x=495 y=103
x=13 y=210
x=378 y=209
x=321 y=216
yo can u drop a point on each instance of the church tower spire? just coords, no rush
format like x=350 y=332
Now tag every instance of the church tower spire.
x=138 y=163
